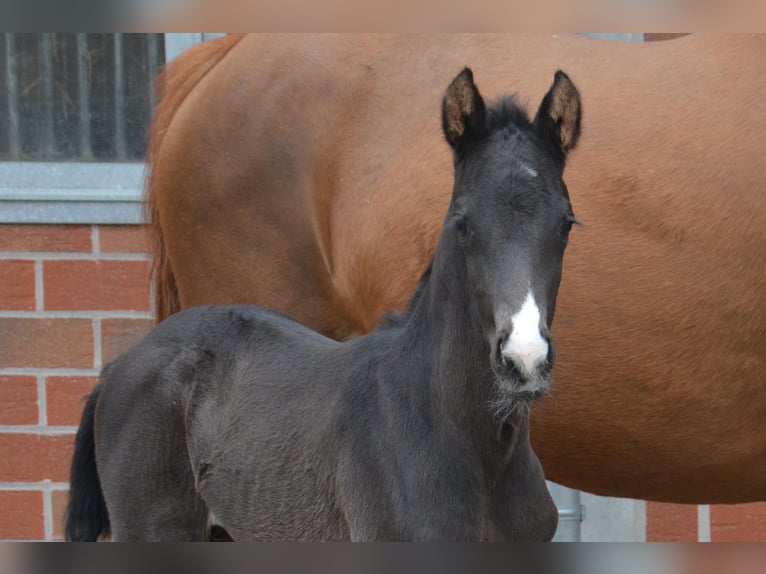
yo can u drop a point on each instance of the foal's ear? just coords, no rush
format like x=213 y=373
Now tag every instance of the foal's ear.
x=558 y=118
x=463 y=110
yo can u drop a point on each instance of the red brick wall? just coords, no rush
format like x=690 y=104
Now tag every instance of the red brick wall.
x=72 y=298
x=722 y=523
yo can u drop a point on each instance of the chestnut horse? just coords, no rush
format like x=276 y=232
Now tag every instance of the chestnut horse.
x=308 y=174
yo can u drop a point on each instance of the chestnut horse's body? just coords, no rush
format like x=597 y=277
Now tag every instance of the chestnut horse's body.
x=282 y=166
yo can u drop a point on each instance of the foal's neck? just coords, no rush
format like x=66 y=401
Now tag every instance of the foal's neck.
x=445 y=326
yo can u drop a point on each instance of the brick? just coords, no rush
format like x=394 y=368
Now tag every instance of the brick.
x=18 y=405
x=96 y=285
x=69 y=238
x=123 y=239
x=17 y=285
x=671 y=522
x=738 y=522
x=30 y=457
x=119 y=335
x=22 y=515
x=66 y=398
x=46 y=343
x=59 y=500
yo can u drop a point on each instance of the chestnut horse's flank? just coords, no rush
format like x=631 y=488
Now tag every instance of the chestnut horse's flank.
x=304 y=173
x=418 y=430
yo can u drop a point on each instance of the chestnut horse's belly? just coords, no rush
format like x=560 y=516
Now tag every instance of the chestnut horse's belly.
x=660 y=330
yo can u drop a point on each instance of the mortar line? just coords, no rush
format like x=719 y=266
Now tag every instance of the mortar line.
x=49 y=430
x=47 y=510
x=95 y=239
x=97 y=361
x=73 y=256
x=39 y=286
x=42 y=401
x=37 y=485
x=703 y=523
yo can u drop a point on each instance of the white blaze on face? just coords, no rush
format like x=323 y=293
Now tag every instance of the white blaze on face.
x=526 y=346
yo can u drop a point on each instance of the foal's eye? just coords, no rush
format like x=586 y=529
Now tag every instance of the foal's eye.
x=461 y=224
x=566 y=225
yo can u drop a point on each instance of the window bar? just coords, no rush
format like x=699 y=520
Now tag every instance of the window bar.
x=83 y=91
x=14 y=146
x=152 y=55
x=46 y=73
x=119 y=100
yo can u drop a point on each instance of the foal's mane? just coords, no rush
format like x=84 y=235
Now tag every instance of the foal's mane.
x=507 y=112
x=399 y=318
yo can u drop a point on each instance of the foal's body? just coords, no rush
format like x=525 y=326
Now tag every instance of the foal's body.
x=417 y=431
x=373 y=449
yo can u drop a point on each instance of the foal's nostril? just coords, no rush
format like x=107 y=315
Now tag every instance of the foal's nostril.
x=528 y=352
x=551 y=356
x=501 y=340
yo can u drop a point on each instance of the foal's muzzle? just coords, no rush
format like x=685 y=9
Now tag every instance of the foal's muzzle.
x=526 y=362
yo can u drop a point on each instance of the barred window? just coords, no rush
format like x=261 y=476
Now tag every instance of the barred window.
x=77 y=97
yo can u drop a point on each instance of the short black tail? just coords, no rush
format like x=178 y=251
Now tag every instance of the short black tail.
x=86 y=514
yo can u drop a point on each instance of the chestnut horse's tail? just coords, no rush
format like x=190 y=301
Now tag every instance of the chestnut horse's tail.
x=175 y=83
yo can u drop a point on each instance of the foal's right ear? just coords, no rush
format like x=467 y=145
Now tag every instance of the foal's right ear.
x=463 y=111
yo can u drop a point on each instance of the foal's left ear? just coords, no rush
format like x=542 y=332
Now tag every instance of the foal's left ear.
x=463 y=111
x=558 y=118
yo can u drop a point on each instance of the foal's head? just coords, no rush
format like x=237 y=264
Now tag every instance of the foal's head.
x=511 y=216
